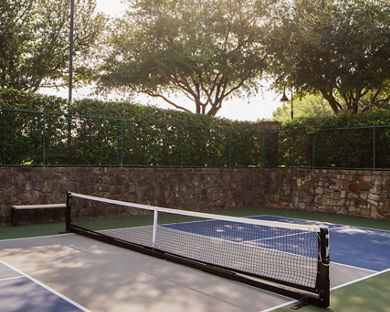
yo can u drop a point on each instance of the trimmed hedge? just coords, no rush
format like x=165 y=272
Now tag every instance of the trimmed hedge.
x=136 y=135
x=129 y=134
x=343 y=141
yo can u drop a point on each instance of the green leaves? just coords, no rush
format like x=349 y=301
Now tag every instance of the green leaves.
x=36 y=33
x=340 y=49
x=204 y=49
x=128 y=134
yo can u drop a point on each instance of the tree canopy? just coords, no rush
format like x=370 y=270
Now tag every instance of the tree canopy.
x=35 y=41
x=206 y=50
x=307 y=106
x=339 y=49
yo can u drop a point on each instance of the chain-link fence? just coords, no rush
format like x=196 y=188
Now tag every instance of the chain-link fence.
x=31 y=138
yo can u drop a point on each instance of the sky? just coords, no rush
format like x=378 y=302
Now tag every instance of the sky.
x=248 y=108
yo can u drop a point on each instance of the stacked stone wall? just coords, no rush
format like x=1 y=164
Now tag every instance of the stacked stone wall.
x=343 y=192
x=190 y=189
x=357 y=193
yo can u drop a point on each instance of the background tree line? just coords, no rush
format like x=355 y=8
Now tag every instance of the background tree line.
x=333 y=52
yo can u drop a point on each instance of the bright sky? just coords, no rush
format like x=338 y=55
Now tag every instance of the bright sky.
x=249 y=108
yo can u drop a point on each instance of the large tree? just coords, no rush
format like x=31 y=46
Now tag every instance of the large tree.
x=34 y=36
x=307 y=106
x=206 y=50
x=339 y=49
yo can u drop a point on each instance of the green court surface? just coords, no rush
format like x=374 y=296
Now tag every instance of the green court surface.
x=370 y=294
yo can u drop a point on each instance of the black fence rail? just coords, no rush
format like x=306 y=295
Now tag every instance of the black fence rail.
x=32 y=138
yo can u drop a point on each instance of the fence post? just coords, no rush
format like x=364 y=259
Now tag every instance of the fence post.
x=181 y=146
x=373 y=148
x=230 y=148
x=122 y=142
x=44 y=140
x=313 y=150
x=264 y=150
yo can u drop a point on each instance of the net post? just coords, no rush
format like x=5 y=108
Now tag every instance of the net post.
x=323 y=282
x=68 y=210
x=155 y=214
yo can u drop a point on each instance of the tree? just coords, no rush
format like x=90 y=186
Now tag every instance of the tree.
x=206 y=50
x=308 y=106
x=35 y=41
x=339 y=49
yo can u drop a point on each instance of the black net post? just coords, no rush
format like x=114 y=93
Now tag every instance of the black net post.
x=68 y=210
x=323 y=282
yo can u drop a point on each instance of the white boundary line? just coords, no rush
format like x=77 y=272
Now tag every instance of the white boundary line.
x=324 y=223
x=11 y=278
x=34 y=237
x=45 y=286
x=333 y=288
x=280 y=306
x=361 y=279
x=353 y=267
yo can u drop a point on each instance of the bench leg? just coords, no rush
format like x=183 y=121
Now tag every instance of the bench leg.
x=14 y=217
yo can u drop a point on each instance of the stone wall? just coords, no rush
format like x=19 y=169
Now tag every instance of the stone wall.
x=344 y=192
x=191 y=189
x=360 y=193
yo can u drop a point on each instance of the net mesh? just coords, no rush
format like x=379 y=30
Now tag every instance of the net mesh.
x=272 y=250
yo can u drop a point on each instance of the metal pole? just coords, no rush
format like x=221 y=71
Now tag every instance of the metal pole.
x=44 y=140
x=264 y=150
x=313 y=150
x=230 y=147
x=122 y=142
x=71 y=51
x=292 y=104
x=373 y=148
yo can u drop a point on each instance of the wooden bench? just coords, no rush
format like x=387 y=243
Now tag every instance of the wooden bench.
x=16 y=208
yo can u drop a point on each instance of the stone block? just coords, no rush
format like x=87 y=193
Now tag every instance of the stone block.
x=354 y=187
x=372 y=202
x=365 y=213
x=374 y=196
x=367 y=178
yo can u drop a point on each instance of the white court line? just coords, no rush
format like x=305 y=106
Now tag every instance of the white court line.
x=280 y=306
x=323 y=222
x=273 y=237
x=333 y=288
x=361 y=279
x=353 y=267
x=45 y=286
x=11 y=278
x=34 y=237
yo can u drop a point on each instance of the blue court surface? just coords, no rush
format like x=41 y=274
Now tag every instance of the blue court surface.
x=359 y=247
x=21 y=293
x=255 y=235
x=150 y=285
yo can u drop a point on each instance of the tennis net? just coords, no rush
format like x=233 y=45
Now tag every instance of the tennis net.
x=292 y=259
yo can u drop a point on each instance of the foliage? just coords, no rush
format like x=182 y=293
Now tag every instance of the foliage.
x=307 y=106
x=206 y=50
x=128 y=134
x=339 y=49
x=135 y=135
x=35 y=37
x=344 y=141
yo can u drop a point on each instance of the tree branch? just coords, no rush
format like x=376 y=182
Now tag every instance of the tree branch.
x=165 y=99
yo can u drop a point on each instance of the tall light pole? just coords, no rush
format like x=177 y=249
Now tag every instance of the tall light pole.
x=285 y=100
x=71 y=51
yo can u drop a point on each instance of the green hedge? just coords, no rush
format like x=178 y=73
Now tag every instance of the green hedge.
x=344 y=141
x=128 y=135
x=34 y=130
